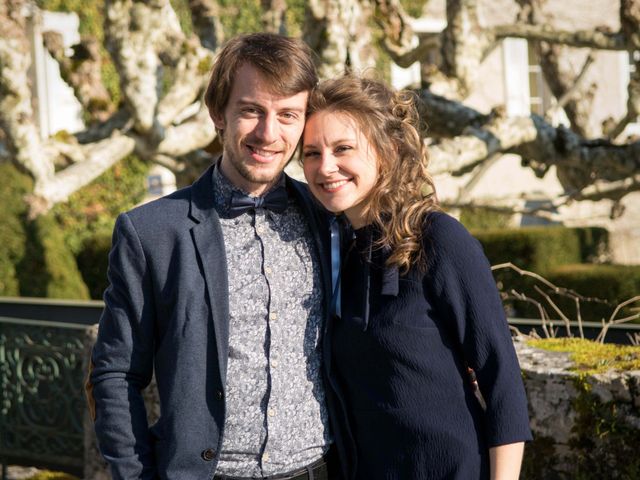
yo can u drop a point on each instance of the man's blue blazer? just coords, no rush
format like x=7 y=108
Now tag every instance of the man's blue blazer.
x=167 y=309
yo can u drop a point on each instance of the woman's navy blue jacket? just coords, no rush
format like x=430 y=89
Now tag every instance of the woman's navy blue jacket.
x=399 y=355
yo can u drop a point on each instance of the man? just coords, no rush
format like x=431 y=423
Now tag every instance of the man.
x=220 y=288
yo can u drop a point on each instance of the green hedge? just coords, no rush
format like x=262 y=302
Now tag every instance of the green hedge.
x=13 y=187
x=606 y=285
x=93 y=260
x=612 y=283
x=541 y=249
x=34 y=260
x=48 y=268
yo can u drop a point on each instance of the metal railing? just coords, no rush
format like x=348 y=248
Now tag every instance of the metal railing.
x=42 y=401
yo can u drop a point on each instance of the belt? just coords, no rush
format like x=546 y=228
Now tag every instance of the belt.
x=318 y=470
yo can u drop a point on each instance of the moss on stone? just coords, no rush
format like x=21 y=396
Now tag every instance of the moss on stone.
x=47 y=475
x=603 y=442
x=591 y=357
x=604 y=445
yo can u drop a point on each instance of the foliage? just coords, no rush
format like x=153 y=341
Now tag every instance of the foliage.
x=34 y=260
x=413 y=7
x=612 y=283
x=240 y=16
x=483 y=219
x=92 y=210
x=537 y=249
x=539 y=459
x=13 y=187
x=601 y=431
x=591 y=357
x=90 y=13
x=184 y=15
x=93 y=260
x=48 y=269
x=294 y=17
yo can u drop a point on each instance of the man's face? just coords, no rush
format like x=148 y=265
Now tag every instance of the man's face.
x=261 y=131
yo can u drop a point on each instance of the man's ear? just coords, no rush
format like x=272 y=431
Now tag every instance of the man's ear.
x=218 y=121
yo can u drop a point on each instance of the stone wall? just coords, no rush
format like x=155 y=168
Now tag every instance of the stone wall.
x=585 y=427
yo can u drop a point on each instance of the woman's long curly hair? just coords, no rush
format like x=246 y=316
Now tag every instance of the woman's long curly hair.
x=404 y=191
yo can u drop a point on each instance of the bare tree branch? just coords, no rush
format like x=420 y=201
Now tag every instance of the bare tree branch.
x=580 y=162
x=602 y=40
x=338 y=31
x=575 y=87
x=613 y=321
x=464 y=43
x=137 y=34
x=16 y=114
x=98 y=158
x=198 y=132
x=273 y=16
x=190 y=77
x=82 y=73
x=633 y=102
x=206 y=22
x=398 y=34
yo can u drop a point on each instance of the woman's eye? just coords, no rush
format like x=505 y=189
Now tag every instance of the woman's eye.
x=310 y=153
x=343 y=148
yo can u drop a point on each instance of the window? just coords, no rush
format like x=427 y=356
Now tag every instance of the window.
x=539 y=94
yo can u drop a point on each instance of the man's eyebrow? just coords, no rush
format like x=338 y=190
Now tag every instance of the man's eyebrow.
x=247 y=102
x=252 y=103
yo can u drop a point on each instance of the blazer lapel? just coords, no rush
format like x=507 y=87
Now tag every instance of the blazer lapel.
x=209 y=243
x=319 y=226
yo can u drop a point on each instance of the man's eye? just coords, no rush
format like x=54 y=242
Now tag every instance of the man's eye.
x=289 y=116
x=249 y=111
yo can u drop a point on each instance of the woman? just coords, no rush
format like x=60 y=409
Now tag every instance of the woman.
x=419 y=306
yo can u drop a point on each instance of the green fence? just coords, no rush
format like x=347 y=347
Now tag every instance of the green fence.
x=41 y=394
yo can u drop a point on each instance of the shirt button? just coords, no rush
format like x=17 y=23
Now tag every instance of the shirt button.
x=271 y=412
x=208 y=454
x=265 y=457
x=268 y=270
x=260 y=229
x=273 y=316
x=219 y=394
x=274 y=363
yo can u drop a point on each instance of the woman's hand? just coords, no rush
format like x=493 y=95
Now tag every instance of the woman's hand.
x=506 y=461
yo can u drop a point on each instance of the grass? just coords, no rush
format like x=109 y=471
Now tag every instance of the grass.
x=591 y=357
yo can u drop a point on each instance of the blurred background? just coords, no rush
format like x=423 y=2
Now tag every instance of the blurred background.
x=531 y=108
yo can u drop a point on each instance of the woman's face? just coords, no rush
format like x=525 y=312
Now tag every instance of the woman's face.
x=340 y=164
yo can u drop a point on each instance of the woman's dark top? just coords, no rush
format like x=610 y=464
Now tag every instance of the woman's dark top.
x=398 y=359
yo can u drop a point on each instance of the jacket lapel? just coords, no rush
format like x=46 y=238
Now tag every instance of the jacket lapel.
x=209 y=244
x=319 y=227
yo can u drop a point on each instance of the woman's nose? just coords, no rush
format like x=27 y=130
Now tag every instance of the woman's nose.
x=328 y=164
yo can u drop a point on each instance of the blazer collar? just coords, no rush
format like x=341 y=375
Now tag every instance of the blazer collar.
x=202 y=204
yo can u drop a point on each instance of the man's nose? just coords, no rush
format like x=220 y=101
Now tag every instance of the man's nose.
x=267 y=129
